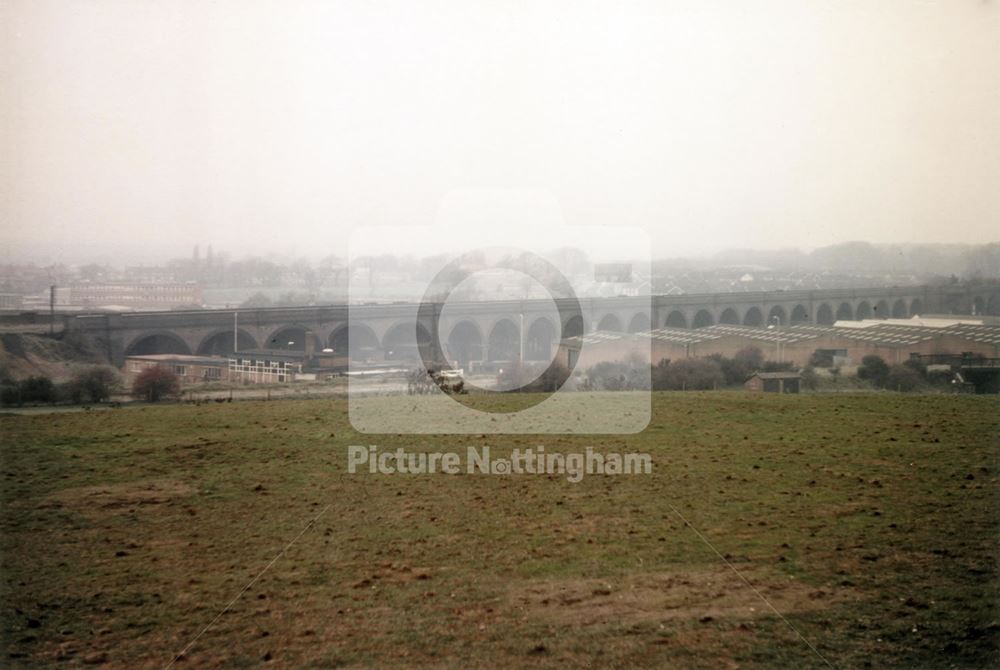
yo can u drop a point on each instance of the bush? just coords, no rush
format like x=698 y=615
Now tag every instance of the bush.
x=738 y=369
x=532 y=378
x=37 y=389
x=618 y=376
x=874 y=370
x=903 y=378
x=155 y=383
x=810 y=379
x=689 y=374
x=94 y=384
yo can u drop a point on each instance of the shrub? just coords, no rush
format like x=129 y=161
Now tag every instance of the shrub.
x=874 y=370
x=738 y=369
x=618 y=376
x=810 y=379
x=156 y=383
x=690 y=374
x=94 y=384
x=903 y=378
x=37 y=389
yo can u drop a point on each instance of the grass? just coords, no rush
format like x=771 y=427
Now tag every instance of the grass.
x=869 y=521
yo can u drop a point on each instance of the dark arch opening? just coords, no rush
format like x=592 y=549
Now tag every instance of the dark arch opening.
x=844 y=312
x=777 y=316
x=157 y=343
x=404 y=340
x=465 y=344
x=729 y=317
x=800 y=315
x=503 y=343
x=978 y=305
x=291 y=338
x=676 y=320
x=573 y=327
x=916 y=307
x=864 y=311
x=639 y=323
x=881 y=310
x=221 y=343
x=753 y=317
x=824 y=315
x=356 y=341
x=703 y=319
x=899 y=310
x=611 y=323
x=540 y=338
x=993 y=305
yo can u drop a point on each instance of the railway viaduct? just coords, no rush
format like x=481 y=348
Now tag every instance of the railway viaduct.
x=489 y=330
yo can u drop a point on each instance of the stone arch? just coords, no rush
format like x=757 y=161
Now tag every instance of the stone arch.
x=703 y=318
x=777 y=316
x=899 y=309
x=611 y=323
x=220 y=343
x=916 y=307
x=864 y=311
x=881 y=310
x=465 y=344
x=503 y=343
x=800 y=315
x=573 y=327
x=356 y=340
x=824 y=315
x=157 y=342
x=639 y=323
x=676 y=319
x=729 y=316
x=540 y=338
x=291 y=338
x=978 y=305
x=403 y=341
x=753 y=317
x=845 y=312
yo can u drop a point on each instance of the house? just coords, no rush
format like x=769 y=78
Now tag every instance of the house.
x=774 y=382
x=189 y=369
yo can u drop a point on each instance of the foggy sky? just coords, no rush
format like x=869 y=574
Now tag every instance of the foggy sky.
x=135 y=129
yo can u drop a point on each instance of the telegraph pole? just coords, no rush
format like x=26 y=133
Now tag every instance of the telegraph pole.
x=52 y=310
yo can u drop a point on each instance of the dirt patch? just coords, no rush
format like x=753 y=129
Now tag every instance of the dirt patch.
x=125 y=496
x=703 y=595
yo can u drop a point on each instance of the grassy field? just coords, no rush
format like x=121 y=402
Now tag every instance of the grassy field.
x=870 y=522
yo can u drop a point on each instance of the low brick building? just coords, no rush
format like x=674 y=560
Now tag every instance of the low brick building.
x=189 y=369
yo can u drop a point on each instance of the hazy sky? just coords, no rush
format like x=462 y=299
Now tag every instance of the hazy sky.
x=137 y=128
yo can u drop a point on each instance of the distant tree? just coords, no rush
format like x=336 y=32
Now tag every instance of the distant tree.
x=617 y=376
x=94 y=384
x=37 y=389
x=917 y=365
x=660 y=375
x=810 y=379
x=903 y=378
x=550 y=380
x=155 y=383
x=258 y=299
x=874 y=370
x=778 y=366
x=691 y=374
x=737 y=369
x=751 y=358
